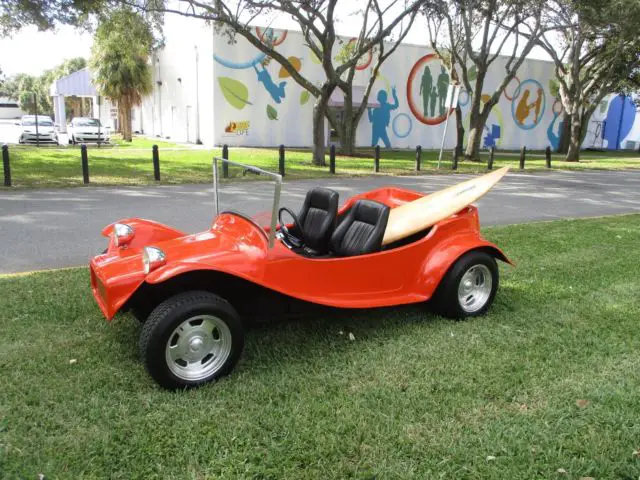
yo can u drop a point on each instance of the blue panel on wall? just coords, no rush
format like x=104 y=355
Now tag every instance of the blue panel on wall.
x=619 y=121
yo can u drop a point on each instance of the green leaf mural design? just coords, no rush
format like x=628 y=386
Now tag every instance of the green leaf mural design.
x=304 y=97
x=235 y=92
x=554 y=87
x=272 y=113
x=472 y=73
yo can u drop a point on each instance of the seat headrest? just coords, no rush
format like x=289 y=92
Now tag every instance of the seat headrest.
x=369 y=211
x=323 y=198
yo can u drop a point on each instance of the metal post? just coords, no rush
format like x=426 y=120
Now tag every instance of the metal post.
x=418 y=157
x=332 y=159
x=454 y=165
x=446 y=124
x=281 y=160
x=85 y=164
x=523 y=153
x=99 y=123
x=547 y=154
x=35 y=106
x=376 y=159
x=6 y=165
x=492 y=151
x=225 y=165
x=156 y=163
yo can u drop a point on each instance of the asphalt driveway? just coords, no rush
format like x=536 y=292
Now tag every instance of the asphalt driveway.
x=56 y=228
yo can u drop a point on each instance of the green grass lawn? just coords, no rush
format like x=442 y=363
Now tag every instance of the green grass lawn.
x=131 y=164
x=548 y=380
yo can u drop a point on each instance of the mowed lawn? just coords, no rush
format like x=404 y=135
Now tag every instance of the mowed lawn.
x=545 y=386
x=131 y=164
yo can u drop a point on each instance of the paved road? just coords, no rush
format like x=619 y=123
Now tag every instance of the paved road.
x=61 y=227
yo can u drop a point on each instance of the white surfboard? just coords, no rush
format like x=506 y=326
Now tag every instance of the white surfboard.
x=420 y=214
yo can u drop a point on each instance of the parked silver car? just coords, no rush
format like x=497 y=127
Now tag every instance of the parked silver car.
x=43 y=132
x=84 y=130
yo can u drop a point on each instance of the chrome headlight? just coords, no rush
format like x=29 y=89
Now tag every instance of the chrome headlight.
x=122 y=234
x=152 y=258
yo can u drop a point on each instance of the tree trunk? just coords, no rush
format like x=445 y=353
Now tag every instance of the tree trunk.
x=573 y=152
x=565 y=134
x=318 y=133
x=459 y=131
x=477 y=119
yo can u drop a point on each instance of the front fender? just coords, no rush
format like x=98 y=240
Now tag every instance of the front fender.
x=446 y=253
x=146 y=232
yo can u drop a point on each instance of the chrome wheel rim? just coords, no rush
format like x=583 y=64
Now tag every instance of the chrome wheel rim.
x=198 y=347
x=474 y=288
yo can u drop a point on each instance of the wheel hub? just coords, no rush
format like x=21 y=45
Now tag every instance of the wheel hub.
x=198 y=347
x=474 y=288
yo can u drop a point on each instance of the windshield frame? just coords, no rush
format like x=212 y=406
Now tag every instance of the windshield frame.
x=276 y=196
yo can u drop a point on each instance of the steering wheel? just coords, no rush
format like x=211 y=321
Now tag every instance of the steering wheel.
x=292 y=239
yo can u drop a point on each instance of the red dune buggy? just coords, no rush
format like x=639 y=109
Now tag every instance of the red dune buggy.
x=193 y=292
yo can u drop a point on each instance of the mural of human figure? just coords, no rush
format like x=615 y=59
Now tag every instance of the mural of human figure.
x=523 y=110
x=554 y=139
x=443 y=85
x=434 y=98
x=425 y=89
x=381 y=116
x=276 y=91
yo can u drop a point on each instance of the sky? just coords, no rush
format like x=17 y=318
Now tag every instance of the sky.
x=32 y=52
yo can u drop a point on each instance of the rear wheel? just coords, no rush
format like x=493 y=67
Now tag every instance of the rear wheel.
x=191 y=339
x=469 y=287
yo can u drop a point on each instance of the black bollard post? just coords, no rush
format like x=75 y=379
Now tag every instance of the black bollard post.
x=281 y=160
x=492 y=151
x=454 y=164
x=6 y=165
x=376 y=159
x=225 y=165
x=523 y=153
x=332 y=159
x=547 y=155
x=156 y=162
x=85 y=164
x=418 y=157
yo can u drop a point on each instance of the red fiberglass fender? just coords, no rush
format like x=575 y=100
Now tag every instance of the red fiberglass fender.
x=448 y=251
x=146 y=232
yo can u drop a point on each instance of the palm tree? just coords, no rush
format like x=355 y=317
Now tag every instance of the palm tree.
x=120 y=62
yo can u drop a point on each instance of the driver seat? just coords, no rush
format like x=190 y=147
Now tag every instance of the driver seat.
x=318 y=219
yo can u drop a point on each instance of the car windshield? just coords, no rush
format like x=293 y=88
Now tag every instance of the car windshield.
x=257 y=200
x=31 y=122
x=86 y=122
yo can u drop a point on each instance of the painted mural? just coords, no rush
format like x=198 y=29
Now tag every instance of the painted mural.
x=407 y=104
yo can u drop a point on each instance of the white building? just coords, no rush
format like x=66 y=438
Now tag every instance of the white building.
x=208 y=90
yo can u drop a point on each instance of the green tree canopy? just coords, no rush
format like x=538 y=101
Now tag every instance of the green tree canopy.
x=120 y=54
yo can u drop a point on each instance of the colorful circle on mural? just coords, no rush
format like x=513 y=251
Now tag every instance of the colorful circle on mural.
x=506 y=95
x=528 y=104
x=431 y=111
x=269 y=33
x=365 y=60
x=406 y=125
x=557 y=103
x=464 y=95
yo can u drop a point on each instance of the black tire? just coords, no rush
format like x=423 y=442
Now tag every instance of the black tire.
x=446 y=300
x=159 y=329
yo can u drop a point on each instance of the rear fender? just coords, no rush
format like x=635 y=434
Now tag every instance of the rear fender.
x=446 y=253
x=146 y=232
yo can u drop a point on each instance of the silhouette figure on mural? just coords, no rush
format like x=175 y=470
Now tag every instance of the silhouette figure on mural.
x=443 y=85
x=425 y=90
x=381 y=116
x=523 y=110
x=276 y=91
x=434 y=99
x=554 y=139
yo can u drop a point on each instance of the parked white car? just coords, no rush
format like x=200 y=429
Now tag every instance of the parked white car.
x=84 y=130
x=44 y=132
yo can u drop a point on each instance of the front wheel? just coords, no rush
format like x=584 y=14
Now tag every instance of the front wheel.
x=191 y=339
x=469 y=287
